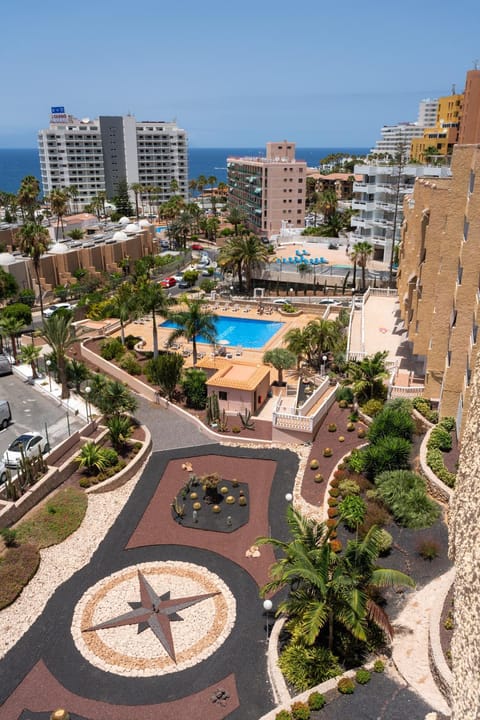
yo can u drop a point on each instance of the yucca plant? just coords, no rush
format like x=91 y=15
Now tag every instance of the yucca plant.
x=91 y=458
x=120 y=430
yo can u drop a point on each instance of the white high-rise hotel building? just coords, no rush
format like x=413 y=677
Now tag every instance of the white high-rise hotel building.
x=94 y=155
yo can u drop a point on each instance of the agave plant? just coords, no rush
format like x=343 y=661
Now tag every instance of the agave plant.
x=92 y=459
x=119 y=430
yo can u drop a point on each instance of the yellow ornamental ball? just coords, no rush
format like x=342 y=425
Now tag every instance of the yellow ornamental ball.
x=341 y=439
x=193 y=496
x=224 y=490
x=230 y=499
x=216 y=508
x=197 y=505
x=242 y=500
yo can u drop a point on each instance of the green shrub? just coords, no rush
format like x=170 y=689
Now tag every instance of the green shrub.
x=349 y=487
x=372 y=407
x=334 y=492
x=440 y=439
x=356 y=460
x=346 y=686
x=9 y=536
x=394 y=419
x=404 y=494
x=85 y=482
x=377 y=514
x=386 y=542
x=306 y=666
x=352 y=511
x=195 y=388
x=316 y=701
x=378 y=666
x=131 y=341
x=448 y=423
x=111 y=349
x=344 y=393
x=436 y=464
x=300 y=711
x=17 y=568
x=388 y=453
x=111 y=456
x=130 y=364
x=423 y=407
x=362 y=676
x=283 y=715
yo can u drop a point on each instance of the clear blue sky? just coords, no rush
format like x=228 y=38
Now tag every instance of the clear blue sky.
x=233 y=74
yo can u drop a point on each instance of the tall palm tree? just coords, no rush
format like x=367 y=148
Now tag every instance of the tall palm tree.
x=30 y=354
x=202 y=183
x=193 y=321
x=192 y=185
x=58 y=206
x=360 y=254
x=246 y=252
x=137 y=189
x=11 y=327
x=27 y=197
x=153 y=300
x=60 y=335
x=124 y=305
x=327 y=590
x=236 y=218
x=72 y=194
x=327 y=203
x=34 y=241
x=367 y=376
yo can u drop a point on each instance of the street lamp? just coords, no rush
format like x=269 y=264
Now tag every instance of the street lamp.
x=231 y=291
x=267 y=606
x=88 y=390
x=289 y=497
x=48 y=363
x=324 y=358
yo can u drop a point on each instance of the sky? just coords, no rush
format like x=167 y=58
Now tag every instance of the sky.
x=318 y=73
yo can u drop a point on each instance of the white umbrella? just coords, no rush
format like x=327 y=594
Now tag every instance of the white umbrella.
x=223 y=342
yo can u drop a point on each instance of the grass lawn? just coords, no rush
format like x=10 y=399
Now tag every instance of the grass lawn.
x=55 y=521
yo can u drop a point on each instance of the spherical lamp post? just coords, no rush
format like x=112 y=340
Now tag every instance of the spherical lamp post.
x=267 y=606
x=48 y=364
x=88 y=390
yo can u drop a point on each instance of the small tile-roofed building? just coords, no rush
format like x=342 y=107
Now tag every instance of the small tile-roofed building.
x=239 y=386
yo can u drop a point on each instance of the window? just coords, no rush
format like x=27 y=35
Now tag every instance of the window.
x=222 y=395
x=471 y=185
x=466 y=226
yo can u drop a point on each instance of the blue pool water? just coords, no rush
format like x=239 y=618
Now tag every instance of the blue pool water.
x=160 y=228
x=253 y=334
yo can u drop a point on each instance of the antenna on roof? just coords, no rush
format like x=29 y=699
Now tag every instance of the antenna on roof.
x=475 y=64
x=454 y=89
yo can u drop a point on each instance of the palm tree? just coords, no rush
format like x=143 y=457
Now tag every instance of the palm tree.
x=327 y=203
x=246 y=252
x=202 y=183
x=58 y=206
x=124 y=305
x=72 y=194
x=10 y=327
x=30 y=355
x=34 y=241
x=137 y=189
x=153 y=300
x=192 y=185
x=236 y=218
x=360 y=254
x=327 y=590
x=316 y=338
x=195 y=320
x=296 y=343
x=117 y=399
x=59 y=333
x=367 y=376
x=28 y=197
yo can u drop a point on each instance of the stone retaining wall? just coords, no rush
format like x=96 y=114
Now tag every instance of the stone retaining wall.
x=436 y=488
x=438 y=665
x=129 y=471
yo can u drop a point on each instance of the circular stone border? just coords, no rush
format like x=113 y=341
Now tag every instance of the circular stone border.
x=122 y=650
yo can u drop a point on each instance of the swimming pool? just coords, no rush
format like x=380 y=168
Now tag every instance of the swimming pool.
x=161 y=228
x=253 y=334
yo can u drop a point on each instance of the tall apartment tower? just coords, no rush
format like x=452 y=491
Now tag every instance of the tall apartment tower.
x=470 y=123
x=439 y=280
x=94 y=155
x=427 y=112
x=378 y=199
x=269 y=191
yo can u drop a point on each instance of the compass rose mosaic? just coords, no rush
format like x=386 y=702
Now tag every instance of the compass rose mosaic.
x=153 y=619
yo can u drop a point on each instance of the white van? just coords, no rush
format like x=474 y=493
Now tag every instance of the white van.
x=5 y=414
x=5 y=365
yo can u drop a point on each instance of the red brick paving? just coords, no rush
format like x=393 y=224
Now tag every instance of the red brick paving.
x=41 y=692
x=157 y=526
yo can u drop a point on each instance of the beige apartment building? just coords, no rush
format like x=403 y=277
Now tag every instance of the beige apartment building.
x=270 y=191
x=439 y=280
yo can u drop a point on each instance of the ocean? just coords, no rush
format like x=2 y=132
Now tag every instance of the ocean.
x=15 y=164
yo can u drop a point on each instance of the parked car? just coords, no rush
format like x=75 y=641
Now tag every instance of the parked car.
x=28 y=444
x=328 y=301
x=5 y=414
x=183 y=284
x=178 y=277
x=3 y=474
x=5 y=365
x=48 y=312
x=197 y=246
x=168 y=282
x=282 y=301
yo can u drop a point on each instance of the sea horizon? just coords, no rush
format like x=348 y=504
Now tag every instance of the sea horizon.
x=16 y=163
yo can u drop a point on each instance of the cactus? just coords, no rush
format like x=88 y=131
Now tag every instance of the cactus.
x=223 y=422
x=246 y=420
x=213 y=411
x=178 y=508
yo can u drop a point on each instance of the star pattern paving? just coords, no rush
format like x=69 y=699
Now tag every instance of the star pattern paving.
x=155 y=612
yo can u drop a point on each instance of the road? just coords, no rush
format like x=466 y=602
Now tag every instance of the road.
x=34 y=411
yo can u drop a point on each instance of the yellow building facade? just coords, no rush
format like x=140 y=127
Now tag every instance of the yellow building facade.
x=439 y=280
x=438 y=141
